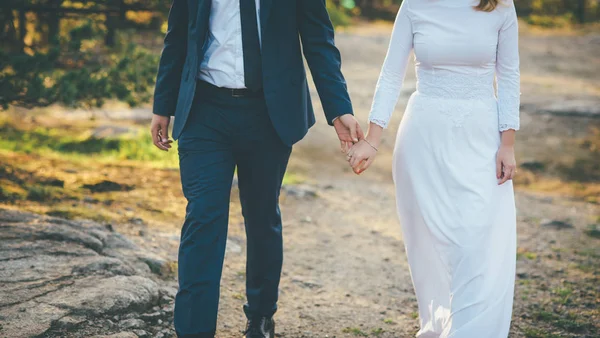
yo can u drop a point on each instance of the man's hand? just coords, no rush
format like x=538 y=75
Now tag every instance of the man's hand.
x=348 y=131
x=159 y=128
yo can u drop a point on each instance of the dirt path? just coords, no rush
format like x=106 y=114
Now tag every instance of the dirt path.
x=345 y=270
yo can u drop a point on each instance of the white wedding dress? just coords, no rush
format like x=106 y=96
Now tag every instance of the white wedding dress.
x=459 y=225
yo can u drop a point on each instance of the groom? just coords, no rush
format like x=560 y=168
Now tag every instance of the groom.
x=232 y=74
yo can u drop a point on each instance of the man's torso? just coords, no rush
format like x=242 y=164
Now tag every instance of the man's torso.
x=223 y=61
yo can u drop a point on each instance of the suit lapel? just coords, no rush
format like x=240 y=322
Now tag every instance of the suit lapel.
x=199 y=12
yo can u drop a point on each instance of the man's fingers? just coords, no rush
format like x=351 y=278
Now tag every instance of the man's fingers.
x=155 y=136
x=157 y=139
x=353 y=132
x=164 y=132
x=346 y=146
x=359 y=132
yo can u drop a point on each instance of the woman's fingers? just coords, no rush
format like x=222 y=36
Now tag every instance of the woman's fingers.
x=355 y=161
x=364 y=165
x=507 y=174
x=498 y=168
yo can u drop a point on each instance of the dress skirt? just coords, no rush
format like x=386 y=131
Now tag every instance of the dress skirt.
x=458 y=224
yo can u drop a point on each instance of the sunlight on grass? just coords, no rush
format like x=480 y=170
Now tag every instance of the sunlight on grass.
x=52 y=142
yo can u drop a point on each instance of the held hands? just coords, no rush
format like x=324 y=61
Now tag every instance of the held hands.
x=159 y=127
x=362 y=154
x=348 y=131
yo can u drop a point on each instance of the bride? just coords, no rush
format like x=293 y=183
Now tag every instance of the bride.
x=454 y=160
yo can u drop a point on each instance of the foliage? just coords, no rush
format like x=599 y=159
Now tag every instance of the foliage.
x=77 y=77
x=68 y=51
x=339 y=15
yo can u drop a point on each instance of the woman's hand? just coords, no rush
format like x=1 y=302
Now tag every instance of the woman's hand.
x=361 y=155
x=506 y=165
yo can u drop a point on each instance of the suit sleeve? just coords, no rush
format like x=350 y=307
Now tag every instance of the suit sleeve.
x=323 y=58
x=171 y=60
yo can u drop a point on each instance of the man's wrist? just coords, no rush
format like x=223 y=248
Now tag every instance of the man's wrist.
x=339 y=116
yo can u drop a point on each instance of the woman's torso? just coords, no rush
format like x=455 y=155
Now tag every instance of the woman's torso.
x=455 y=48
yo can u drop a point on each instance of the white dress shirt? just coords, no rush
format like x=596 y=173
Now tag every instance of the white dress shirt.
x=223 y=63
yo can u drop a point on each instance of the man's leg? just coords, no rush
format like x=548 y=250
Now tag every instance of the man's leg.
x=207 y=166
x=262 y=160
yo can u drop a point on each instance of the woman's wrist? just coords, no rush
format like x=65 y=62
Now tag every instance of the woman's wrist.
x=508 y=138
x=373 y=136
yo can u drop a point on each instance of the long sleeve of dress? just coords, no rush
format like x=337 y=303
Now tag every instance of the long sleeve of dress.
x=507 y=73
x=394 y=69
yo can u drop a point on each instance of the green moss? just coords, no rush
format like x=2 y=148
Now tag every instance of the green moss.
x=355 y=331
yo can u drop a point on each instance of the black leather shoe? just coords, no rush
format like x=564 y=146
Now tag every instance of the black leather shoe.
x=260 y=328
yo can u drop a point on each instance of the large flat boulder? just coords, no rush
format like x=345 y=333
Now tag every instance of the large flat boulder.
x=62 y=278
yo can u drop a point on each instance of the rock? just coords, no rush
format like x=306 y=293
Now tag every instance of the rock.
x=580 y=108
x=556 y=224
x=233 y=247
x=69 y=322
x=141 y=333
x=300 y=191
x=533 y=165
x=166 y=300
x=106 y=131
x=306 y=284
x=119 y=335
x=58 y=275
x=155 y=263
x=132 y=323
x=93 y=296
x=107 y=186
x=88 y=199
x=150 y=317
x=136 y=220
x=167 y=291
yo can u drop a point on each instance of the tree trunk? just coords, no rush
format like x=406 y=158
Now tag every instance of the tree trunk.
x=53 y=22
x=581 y=11
x=22 y=28
x=109 y=40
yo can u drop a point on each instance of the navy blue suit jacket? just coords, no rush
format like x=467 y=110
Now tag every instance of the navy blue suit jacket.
x=289 y=28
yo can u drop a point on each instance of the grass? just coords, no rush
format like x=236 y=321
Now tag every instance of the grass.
x=568 y=322
x=355 y=331
x=522 y=253
x=79 y=144
x=377 y=332
x=593 y=231
x=576 y=173
x=50 y=167
x=537 y=333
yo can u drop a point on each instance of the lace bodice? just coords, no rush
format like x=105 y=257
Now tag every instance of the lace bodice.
x=458 y=53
